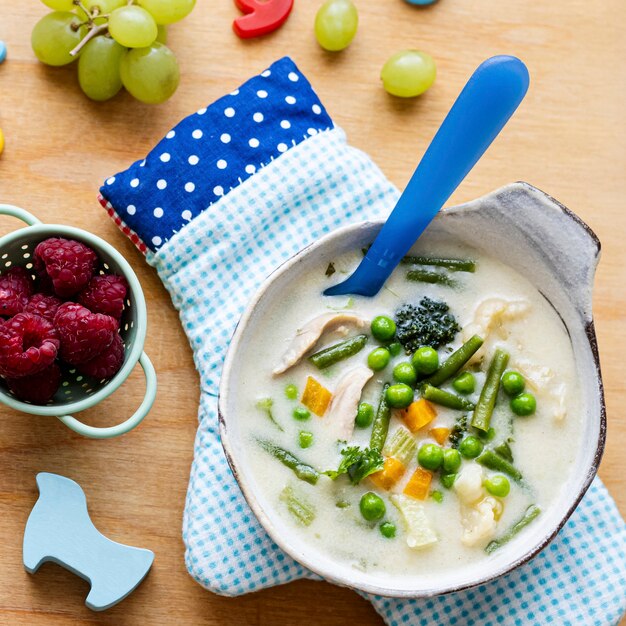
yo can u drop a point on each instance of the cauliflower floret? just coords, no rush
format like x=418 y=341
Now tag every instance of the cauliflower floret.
x=540 y=379
x=479 y=521
x=489 y=319
x=469 y=483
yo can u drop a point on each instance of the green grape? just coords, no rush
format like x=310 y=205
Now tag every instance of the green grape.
x=408 y=73
x=162 y=35
x=60 y=5
x=168 y=11
x=104 y=6
x=335 y=24
x=150 y=74
x=133 y=27
x=99 y=68
x=55 y=36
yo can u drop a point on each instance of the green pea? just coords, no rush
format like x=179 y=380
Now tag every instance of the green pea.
x=464 y=383
x=430 y=456
x=364 y=415
x=383 y=328
x=451 y=460
x=372 y=507
x=524 y=404
x=405 y=373
x=498 y=485
x=513 y=383
x=387 y=529
x=437 y=496
x=291 y=391
x=471 y=447
x=305 y=439
x=378 y=359
x=447 y=480
x=399 y=396
x=426 y=360
x=395 y=348
x=301 y=414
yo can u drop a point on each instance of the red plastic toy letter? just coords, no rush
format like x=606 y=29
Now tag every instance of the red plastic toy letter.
x=261 y=17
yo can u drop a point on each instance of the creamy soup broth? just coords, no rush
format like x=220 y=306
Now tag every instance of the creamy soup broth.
x=544 y=447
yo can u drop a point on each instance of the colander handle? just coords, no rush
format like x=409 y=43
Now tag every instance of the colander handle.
x=21 y=214
x=115 y=431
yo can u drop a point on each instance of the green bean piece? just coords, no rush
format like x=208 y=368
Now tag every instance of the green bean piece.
x=456 y=361
x=504 y=450
x=531 y=513
x=487 y=401
x=454 y=265
x=300 y=469
x=495 y=462
x=380 y=428
x=434 y=278
x=298 y=507
x=445 y=398
x=265 y=405
x=340 y=351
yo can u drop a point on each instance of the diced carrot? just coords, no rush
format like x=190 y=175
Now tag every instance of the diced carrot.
x=419 y=484
x=439 y=434
x=391 y=473
x=316 y=397
x=418 y=414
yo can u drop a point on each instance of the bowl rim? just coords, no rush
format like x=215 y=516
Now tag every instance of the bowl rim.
x=264 y=519
x=136 y=295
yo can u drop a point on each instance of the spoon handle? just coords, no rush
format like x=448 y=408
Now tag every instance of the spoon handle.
x=487 y=101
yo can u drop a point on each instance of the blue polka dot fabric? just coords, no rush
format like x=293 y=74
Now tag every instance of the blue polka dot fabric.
x=212 y=265
x=214 y=150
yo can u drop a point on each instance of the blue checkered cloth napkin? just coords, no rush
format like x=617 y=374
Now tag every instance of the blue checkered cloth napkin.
x=230 y=193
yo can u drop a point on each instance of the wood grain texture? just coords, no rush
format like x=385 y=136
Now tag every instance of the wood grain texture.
x=567 y=139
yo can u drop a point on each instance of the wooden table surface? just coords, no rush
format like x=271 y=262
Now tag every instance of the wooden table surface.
x=567 y=139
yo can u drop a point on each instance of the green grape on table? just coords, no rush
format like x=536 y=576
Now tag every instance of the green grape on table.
x=55 y=35
x=60 y=5
x=99 y=68
x=150 y=74
x=133 y=27
x=408 y=73
x=168 y=11
x=336 y=24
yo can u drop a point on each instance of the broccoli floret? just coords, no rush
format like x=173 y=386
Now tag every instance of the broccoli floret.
x=458 y=431
x=426 y=324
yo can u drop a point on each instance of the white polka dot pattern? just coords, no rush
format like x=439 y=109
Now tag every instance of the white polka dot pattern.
x=219 y=146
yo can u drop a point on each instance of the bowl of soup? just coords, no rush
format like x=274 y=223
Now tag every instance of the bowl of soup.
x=439 y=434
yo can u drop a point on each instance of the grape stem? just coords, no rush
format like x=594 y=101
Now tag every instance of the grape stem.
x=84 y=9
x=95 y=30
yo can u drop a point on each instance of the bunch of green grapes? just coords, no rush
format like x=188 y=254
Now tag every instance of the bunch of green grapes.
x=117 y=43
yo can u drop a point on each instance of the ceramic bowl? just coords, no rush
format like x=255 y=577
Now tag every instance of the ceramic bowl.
x=539 y=238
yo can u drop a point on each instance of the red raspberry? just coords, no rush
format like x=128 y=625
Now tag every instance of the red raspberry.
x=43 y=305
x=38 y=388
x=84 y=335
x=16 y=285
x=107 y=363
x=70 y=264
x=28 y=344
x=105 y=294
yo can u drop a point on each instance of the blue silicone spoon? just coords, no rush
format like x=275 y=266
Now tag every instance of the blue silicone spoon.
x=487 y=101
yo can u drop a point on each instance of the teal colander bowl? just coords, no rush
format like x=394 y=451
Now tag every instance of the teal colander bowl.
x=77 y=392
